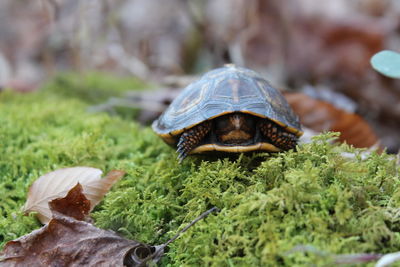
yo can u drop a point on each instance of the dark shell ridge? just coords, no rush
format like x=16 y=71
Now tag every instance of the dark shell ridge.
x=221 y=91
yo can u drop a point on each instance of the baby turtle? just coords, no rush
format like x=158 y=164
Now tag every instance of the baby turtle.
x=230 y=109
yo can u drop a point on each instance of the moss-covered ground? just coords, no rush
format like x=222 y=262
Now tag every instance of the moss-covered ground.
x=269 y=203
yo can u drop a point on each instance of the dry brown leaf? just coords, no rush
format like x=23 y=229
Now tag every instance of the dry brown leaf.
x=322 y=116
x=74 y=205
x=66 y=241
x=56 y=184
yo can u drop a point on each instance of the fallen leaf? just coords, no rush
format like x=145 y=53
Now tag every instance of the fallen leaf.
x=322 y=116
x=56 y=184
x=66 y=241
x=74 y=205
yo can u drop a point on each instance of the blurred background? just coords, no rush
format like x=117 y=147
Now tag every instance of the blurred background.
x=317 y=52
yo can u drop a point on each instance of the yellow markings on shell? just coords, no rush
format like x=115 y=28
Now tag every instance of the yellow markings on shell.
x=264 y=92
x=188 y=103
x=235 y=90
x=235 y=149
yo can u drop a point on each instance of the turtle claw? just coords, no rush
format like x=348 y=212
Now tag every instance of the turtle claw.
x=190 y=139
x=181 y=157
x=182 y=152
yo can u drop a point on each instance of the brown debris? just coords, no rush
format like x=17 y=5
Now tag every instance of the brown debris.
x=69 y=241
x=322 y=116
x=74 y=205
x=59 y=182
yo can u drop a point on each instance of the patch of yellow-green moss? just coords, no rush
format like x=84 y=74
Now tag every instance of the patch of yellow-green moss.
x=269 y=203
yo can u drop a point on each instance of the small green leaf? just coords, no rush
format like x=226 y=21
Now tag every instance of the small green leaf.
x=387 y=63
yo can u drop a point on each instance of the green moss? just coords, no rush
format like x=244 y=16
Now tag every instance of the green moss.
x=93 y=87
x=269 y=203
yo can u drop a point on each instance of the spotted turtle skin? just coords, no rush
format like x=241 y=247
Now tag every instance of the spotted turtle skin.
x=233 y=98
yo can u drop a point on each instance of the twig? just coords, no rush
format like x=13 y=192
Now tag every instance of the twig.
x=160 y=249
x=202 y=216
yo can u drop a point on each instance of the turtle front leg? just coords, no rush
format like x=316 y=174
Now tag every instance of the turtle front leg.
x=279 y=137
x=191 y=138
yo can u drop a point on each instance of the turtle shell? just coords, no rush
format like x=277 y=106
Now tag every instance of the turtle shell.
x=223 y=91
